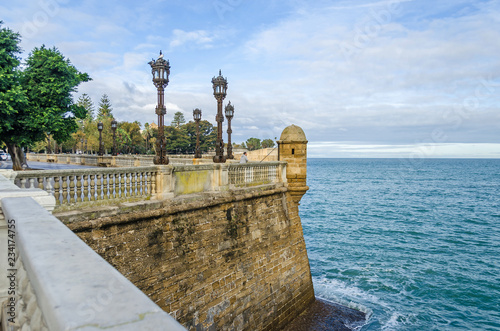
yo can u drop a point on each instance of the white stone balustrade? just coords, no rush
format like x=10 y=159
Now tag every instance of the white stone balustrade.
x=78 y=186
x=107 y=160
x=73 y=188
x=257 y=173
x=59 y=282
x=62 y=284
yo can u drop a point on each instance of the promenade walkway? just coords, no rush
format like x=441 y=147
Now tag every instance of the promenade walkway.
x=45 y=165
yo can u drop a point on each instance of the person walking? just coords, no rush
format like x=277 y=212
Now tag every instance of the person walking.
x=244 y=158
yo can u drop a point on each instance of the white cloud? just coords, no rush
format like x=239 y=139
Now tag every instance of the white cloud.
x=414 y=69
x=200 y=38
x=409 y=151
x=401 y=78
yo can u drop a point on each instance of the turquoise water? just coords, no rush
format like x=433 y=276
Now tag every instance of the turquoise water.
x=414 y=244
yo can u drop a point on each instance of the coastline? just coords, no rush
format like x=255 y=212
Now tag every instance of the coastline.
x=325 y=315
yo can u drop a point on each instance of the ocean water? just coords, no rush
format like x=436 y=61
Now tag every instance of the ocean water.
x=413 y=243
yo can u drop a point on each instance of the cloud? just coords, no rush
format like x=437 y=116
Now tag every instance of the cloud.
x=378 y=72
x=407 y=151
x=200 y=38
x=401 y=84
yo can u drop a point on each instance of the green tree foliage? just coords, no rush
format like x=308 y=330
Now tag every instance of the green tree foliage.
x=147 y=134
x=177 y=140
x=132 y=141
x=36 y=102
x=178 y=119
x=253 y=144
x=267 y=143
x=49 y=80
x=86 y=102
x=104 y=107
x=13 y=100
x=208 y=136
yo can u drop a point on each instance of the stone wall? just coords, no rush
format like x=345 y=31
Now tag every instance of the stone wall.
x=228 y=261
x=260 y=155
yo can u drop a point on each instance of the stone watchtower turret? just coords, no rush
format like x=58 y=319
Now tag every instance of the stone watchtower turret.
x=292 y=148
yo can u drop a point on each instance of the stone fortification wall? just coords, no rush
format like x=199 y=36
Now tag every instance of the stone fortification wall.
x=259 y=155
x=234 y=260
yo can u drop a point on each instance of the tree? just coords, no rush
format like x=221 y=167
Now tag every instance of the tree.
x=253 y=144
x=177 y=140
x=86 y=102
x=13 y=98
x=38 y=100
x=267 y=143
x=133 y=142
x=208 y=136
x=104 y=107
x=178 y=119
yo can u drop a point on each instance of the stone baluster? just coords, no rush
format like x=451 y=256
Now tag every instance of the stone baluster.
x=128 y=177
x=71 y=189
x=40 y=183
x=85 y=188
x=122 y=186
x=105 y=192
x=111 y=184
x=64 y=180
x=128 y=191
x=99 y=187
x=79 y=188
x=116 y=190
x=92 y=188
x=153 y=183
x=32 y=182
x=148 y=183
x=144 y=184
x=57 y=189
x=135 y=177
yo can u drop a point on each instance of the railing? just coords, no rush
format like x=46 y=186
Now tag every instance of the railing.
x=54 y=289
x=73 y=188
x=107 y=160
x=77 y=186
x=255 y=173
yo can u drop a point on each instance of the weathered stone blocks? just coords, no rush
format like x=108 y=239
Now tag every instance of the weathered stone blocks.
x=239 y=264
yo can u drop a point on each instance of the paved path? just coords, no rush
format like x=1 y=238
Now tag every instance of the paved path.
x=45 y=165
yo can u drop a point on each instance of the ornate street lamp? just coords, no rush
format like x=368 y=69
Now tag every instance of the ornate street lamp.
x=229 y=110
x=197 y=118
x=114 y=124
x=101 y=144
x=160 y=70
x=220 y=88
x=86 y=152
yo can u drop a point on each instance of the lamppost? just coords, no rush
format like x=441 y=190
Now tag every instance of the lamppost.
x=197 y=118
x=81 y=146
x=229 y=110
x=49 y=147
x=220 y=88
x=113 y=127
x=160 y=70
x=86 y=152
x=101 y=145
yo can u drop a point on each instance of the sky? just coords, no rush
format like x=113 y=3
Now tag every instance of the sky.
x=362 y=78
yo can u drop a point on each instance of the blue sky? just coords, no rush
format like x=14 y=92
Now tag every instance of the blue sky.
x=381 y=78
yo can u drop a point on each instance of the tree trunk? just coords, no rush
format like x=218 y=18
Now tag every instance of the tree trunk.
x=17 y=156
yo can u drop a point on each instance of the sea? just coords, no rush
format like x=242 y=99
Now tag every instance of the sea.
x=413 y=243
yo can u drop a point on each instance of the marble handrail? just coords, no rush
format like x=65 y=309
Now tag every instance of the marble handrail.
x=64 y=285
x=73 y=188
